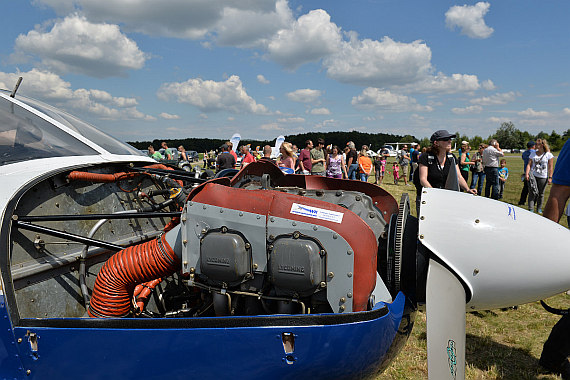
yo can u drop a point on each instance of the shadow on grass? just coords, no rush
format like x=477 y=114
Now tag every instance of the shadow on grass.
x=510 y=362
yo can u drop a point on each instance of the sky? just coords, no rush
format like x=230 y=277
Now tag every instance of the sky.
x=143 y=70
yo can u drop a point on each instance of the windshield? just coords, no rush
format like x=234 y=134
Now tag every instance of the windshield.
x=110 y=144
x=25 y=136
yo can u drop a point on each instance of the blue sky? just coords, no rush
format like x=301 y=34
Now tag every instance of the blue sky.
x=142 y=69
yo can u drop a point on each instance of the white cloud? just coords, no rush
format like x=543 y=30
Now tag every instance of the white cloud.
x=168 y=116
x=488 y=85
x=379 y=63
x=470 y=19
x=305 y=95
x=50 y=88
x=310 y=38
x=319 y=111
x=271 y=127
x=529 y=112
x=566 y=111
x=209 y=95
x=495 y=119
x=373 y=98
x=467 y=110
x=326 y=123
x=261 y=79
x=77 y=45
x=443 y=84
x=291 y=120
x=498 y=98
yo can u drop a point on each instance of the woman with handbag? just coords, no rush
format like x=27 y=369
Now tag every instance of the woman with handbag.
x=540 y=166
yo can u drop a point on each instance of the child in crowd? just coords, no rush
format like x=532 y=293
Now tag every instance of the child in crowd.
x=396 y=172
x=503 y=175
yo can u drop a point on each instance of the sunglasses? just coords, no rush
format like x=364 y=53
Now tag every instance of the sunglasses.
x=446 y=139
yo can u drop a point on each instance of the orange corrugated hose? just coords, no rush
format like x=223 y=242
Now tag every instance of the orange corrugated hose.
x=115 y=283
x=142 y=292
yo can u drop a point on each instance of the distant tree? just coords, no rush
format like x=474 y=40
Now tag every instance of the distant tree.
x=407 y=139
x=425 y=142
x=508 y=136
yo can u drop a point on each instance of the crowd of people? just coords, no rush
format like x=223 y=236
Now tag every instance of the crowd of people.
x=424 y=167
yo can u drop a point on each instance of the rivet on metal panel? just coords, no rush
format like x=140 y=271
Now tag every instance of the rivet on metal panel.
x=315 y=228
x=349 y=274
x=247 y=246
x=422 y=217
x=185 y=263
x=342 y=300
x=240 y=213
x=190 y=203
x=338 y=193
x=28 y=372
x=341 y=309
x=477 y=220
x=272 y=219
x=323 y=284
x=349 y=252
x=371 y=215
x=421 y=236
x=14 y=217
x=184 y=241
x=192 y=275
x=296 y=235
x=258 y=216
x=357 y=197
x=475 y=272
x=294 y=223
x=221 y=211
x=331 y=274
x=204 y=207
x=183 y=219
x=270 y=247
x=204 y=231
x=349 y=295
x=224 y=229
x=423 y=202
x=335 y=236
x=255 y=266
x=271 y=237
x=19 y=340
x=425 y=192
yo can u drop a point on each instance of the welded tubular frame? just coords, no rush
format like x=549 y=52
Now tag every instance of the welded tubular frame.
x=66 y=235
x=171 y=173
x=134 y=215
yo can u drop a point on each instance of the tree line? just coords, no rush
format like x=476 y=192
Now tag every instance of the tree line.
x=507 y=135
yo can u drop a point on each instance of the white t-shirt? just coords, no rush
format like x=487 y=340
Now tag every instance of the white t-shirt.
x=540 y=164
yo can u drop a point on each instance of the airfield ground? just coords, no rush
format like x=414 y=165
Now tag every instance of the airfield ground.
x=501 y=344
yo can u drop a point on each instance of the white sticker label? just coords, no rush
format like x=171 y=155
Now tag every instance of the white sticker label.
x=317 y=213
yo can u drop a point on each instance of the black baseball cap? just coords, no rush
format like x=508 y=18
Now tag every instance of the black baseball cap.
x=530 y=144
x=442 y=134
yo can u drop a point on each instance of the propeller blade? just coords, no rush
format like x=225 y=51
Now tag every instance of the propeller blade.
x=452 y=181
x=445 y=311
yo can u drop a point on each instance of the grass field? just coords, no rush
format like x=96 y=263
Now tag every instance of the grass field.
x=500 y=344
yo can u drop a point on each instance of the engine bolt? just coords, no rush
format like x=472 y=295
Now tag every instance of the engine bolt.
x=296 y=235
x=341 y=309
x=255 y=266
x=185 y=263
x=315 y=228
x=224 y=229
x=270 y=247
x=192 y=270
x=184 y=241
x=183 y=219
x=349 y=295
x=357 y=197
x=247 y=246
x=271 y=237
x=342 y=300
x=192 y=276
x=323 y=284
x=349 y=252
x=204 y=231
x=371 y=215
x=331 y=274
x=349 y=274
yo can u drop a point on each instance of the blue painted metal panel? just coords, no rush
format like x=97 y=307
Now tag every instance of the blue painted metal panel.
x=350 y=350
x=10 y=365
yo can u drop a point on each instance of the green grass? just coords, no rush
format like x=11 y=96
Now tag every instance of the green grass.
x=500 y=344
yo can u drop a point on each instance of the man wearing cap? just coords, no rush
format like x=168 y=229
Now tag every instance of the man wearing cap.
x=491 y=156
x=530 y=147
x=225 y=160
x=404 y=159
